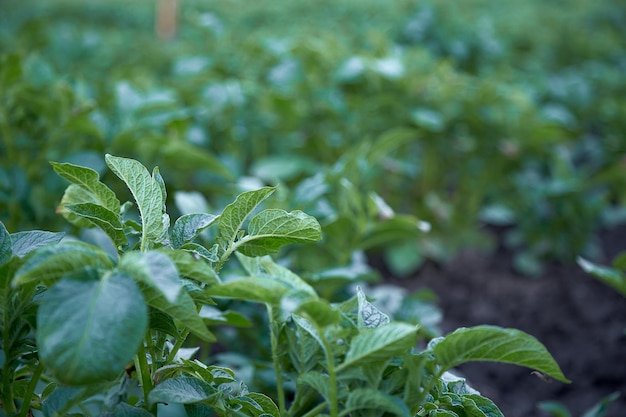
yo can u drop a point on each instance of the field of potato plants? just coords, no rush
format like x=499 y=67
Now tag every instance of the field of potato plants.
x=339 y=208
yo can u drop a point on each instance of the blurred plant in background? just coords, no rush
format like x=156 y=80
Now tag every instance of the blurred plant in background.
x=464 y=116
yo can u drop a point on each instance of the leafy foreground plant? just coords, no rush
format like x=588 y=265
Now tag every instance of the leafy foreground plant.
x=89 y=332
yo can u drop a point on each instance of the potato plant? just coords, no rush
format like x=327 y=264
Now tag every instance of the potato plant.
x=103 y=330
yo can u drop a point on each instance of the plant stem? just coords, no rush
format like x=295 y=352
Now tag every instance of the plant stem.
x=143 y=369
x=177 y=346
x=30 y=390
x=150 y=349
x=332 y=376
x=7 y=372
x=315 y=411
x=279 y=377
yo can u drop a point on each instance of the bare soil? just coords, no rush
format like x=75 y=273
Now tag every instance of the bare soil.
x=581 y=321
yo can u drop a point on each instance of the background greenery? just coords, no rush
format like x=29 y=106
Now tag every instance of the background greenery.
x=465 y=115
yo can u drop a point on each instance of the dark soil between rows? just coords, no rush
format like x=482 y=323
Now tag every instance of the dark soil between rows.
x=581 y=321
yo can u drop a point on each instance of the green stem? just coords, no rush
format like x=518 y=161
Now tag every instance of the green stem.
x=30 y=390
x=150 y=349
x=332 y=376
x=279 y=377
x=315 y=411
x=177 y=346
x=143 y=369
x=7 y=372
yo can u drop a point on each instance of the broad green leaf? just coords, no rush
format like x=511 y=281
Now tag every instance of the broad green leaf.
x=251 y=407
x=554 y=408
x=147 y=193
x=191 y=267
x=213 y=315
x=50 y=263
x=372 y=399
x=162 y=322
x=155 y=269
x=380 y=343
x=127 y=410
x=156 y=175
x=75 y=194
x=266 y=266
x=266 y=403
x=234 y=214
x=182 y=390
x=183 y=309
x=89 y=180
x=600 y=409
x=189 y=226
x=442 y=413
x=26 y=242
x=273 y=228
x=320 y=311
x=491 y=343
x=316 y=380
x=108 y=221
x=368 y=315
x=391 y=230
x=610 y=276
x=209 y=255
x=6 y=246
x=479 y=406
x=88 y=330
x=306 y=326
x=62 y=399
x=256 y=289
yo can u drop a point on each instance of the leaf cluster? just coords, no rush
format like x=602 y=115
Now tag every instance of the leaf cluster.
x=104 y=332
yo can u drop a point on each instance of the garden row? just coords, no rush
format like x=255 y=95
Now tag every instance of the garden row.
x=460 y=115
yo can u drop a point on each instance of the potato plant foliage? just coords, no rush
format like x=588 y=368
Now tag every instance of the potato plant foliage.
x=105 y=330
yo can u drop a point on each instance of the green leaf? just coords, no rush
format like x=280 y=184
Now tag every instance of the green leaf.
x=182 y=390
x=273 y=228
x=316 y=380
x=108 y=221
x=257 y=404
x=162 y=322
x=155 y=269
x=88 y=330
x=75 y=194
x=368 y=315
x=50 y=263
x=213 y=315
x=189 y=226
x=6 y=246
x=372 y=399
x=491 y=343
x=600 y=409
x=190 y=267
x=305 y=325
x=63 y=399
x=554 y=408
x=380 y=343
x=479 y=406
x=147 y=194
x=199 y=251
x=610 y=276
x=320 y=311
x=391 y=230
x=89 y=180
x=265 y=266
x=183 y=309
x=234 y=214
x=26 y=242
x=127 y=410
x=442 y=413
x=255 y=289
